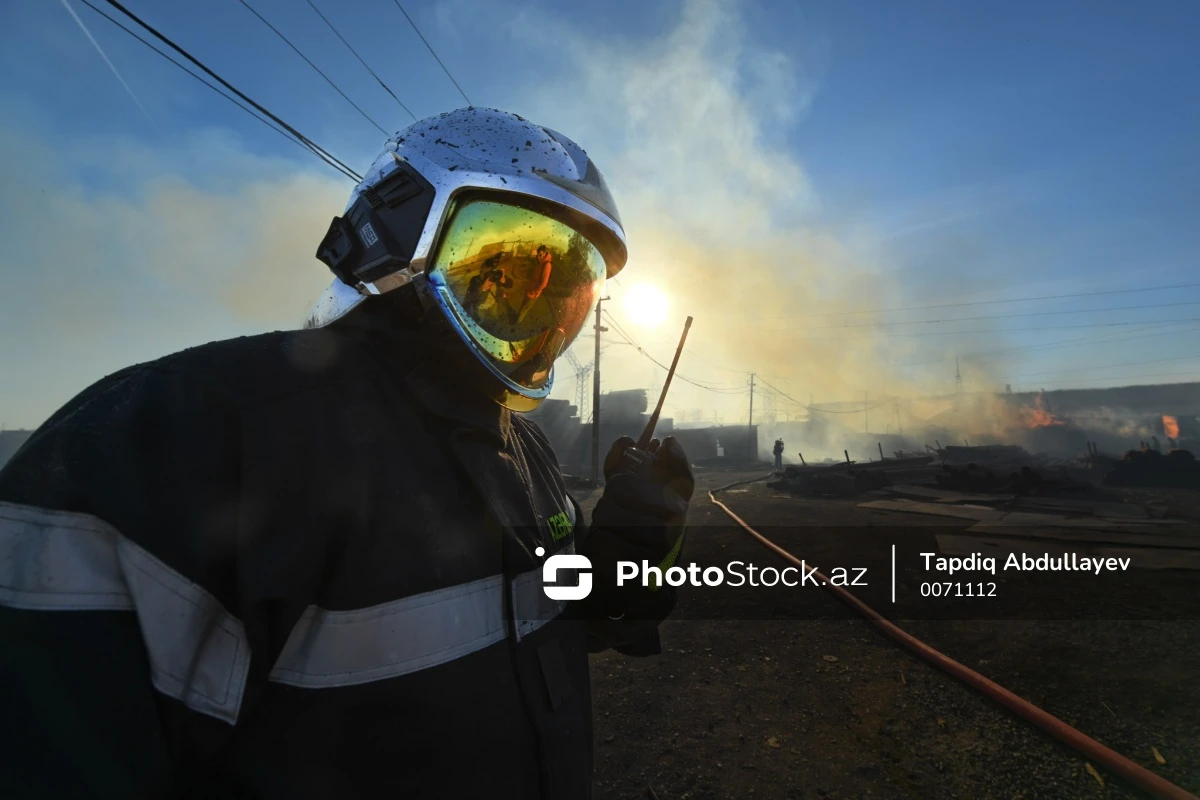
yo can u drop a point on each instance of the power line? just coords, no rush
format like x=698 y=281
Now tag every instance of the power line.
x=807 y=407
x=717 y=366
x=620 y=329
x=205 y=83
x=430 y=48
x=990 y=302
x=320 y=152
x=1079 y=340
x=1122 y=336
x=991 y=316
x=684 y=378
x=1009 y=330
x=386 y=88
x=1104 y=366
x=1194 y=373
x=308 y=61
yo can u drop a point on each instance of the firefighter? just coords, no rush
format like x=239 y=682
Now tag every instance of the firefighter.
x=315 y=563
x=778 y=451
x=544 y=263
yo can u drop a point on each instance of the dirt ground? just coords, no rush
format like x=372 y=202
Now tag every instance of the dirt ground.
x=788 y=694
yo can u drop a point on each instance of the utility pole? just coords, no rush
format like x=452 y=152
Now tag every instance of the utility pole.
x=750 y=423
x=958 y=385
x=866 y=429
x=596 y=398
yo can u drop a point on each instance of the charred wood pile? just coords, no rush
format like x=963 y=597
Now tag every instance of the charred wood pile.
x=997 y=469
x=852 y=477
x=1005 y=469
x=1143 y=468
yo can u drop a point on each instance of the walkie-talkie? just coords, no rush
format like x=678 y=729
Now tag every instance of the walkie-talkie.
x=636 y=458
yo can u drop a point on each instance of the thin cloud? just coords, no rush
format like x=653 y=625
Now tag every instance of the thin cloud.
x=115 y=264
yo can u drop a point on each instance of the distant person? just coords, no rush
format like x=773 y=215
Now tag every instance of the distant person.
x=496 y=283
x=779 y=455
x=474 y=295
x=538 y=281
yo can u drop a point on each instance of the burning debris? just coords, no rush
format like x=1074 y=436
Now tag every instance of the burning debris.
x=1039 y=416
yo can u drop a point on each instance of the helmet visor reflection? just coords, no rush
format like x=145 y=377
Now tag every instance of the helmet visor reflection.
x=519 y=286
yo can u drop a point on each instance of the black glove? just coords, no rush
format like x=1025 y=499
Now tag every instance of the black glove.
x=640 y=517
x=645 y=488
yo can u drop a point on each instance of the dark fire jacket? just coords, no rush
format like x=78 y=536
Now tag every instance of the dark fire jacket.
x=292 y=565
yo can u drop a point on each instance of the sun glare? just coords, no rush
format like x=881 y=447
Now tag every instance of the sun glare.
x=646 y=305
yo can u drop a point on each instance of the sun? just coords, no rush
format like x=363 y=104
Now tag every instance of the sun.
x=646 y=305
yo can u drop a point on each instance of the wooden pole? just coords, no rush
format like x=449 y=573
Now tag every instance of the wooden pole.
x=596 y=400
x=750 y=423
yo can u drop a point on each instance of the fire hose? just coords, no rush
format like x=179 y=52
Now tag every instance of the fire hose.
x=1116 y=763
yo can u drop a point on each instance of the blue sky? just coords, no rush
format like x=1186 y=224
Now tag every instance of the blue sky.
x=772 y=160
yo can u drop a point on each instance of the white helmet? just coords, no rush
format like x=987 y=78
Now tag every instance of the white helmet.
x=506 y=226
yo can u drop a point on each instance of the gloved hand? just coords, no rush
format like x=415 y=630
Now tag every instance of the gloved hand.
x=640 y=517
x=653 y=492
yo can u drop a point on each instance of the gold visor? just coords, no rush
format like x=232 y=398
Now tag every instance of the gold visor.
x=518 y=284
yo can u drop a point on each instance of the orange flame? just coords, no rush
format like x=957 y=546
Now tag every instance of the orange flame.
x=1170 y=426
x=1038 y=416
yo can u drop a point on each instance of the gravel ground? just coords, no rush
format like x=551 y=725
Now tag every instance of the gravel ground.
x=793 y=696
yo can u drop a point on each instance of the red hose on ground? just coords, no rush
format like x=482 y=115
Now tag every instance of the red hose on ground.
x=1115 y=762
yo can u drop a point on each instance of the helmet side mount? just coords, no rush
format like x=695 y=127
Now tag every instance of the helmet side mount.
x=378 y=234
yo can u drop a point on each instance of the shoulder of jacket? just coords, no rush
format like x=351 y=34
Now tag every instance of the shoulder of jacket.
x=251 y=370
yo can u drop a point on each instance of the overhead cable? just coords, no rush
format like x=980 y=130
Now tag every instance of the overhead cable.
x=989 y=316
x=430 y=48
x=309 y=143
x=317 y=69
x=191 y=74
x=718 y=389
x=992 y=302
x=386 y=88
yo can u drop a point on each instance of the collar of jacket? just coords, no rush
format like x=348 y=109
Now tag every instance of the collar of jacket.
x=444 y=395
x=434 y=374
